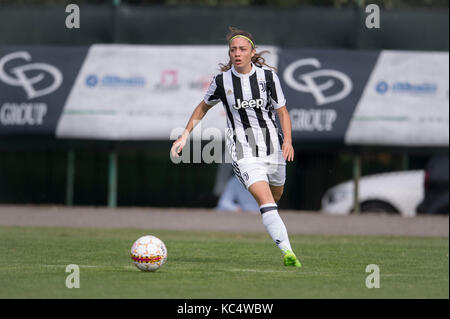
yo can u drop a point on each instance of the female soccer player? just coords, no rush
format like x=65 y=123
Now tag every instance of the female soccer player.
x=249 y=95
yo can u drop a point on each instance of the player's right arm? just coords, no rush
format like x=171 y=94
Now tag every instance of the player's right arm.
x=196 y=117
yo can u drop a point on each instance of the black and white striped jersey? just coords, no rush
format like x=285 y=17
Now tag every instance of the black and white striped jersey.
x=249 y=101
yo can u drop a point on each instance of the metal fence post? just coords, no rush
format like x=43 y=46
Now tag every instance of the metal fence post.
x=112 y=179
x=405 y=161
x=70 y=177
x=115 y=29
x=356 y=177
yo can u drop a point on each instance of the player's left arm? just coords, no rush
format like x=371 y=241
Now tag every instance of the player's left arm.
x=285 y=121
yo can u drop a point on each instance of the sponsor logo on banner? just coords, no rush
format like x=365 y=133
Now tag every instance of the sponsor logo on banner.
x=310 y=84
x=322 y=88
x=22 y=113
x=36 y=79
x=29 y=84
x=313 y=119
x=405 y=87
x=319 y=84
x=35 y=82
x=168 y=81
x=115 y=81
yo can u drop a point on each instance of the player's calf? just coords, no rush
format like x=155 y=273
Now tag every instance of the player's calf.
x=277 y=192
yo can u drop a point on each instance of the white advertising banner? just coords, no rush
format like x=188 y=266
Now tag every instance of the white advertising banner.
x=405 y=102
x=136 y=92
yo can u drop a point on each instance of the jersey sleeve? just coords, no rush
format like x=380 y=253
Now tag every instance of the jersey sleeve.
x=212 y=96
x=276 y=93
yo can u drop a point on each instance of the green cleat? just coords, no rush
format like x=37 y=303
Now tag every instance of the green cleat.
x=291 y=260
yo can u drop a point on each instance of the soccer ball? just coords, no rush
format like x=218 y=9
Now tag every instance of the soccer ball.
x=148 y=253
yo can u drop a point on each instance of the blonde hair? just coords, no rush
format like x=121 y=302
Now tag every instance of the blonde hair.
x=257 y=59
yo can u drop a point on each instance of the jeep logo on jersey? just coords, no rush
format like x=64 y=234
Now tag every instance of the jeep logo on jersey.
x=258 y=103
x=310 y=85
x=28 y=82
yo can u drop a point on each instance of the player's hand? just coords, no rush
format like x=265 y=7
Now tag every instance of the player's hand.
x=288 y=151
x=177 y=146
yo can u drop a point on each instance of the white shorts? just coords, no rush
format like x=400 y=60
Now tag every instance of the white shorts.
x=251 y=170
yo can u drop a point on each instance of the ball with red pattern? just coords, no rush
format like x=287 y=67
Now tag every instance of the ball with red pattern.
x=148 y=253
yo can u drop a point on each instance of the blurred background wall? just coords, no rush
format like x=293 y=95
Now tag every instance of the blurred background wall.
x=404 y=27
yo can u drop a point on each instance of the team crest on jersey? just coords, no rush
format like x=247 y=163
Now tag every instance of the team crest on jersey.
x=262 y=85
x=245 y=176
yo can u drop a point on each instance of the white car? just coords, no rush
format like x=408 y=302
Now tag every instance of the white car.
x=396 y=192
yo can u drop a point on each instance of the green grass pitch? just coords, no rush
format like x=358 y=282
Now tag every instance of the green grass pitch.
x=218 y=265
